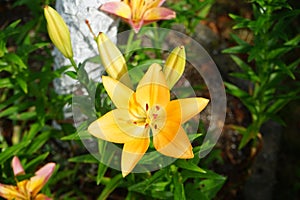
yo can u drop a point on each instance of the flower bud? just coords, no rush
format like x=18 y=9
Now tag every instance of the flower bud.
x=58 y=32
x=112 y=59
x=17 y=166
x=174 y=66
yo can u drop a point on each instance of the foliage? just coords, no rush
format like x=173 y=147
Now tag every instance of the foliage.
x=269 y=68
x=189 y=13
x=29 y=107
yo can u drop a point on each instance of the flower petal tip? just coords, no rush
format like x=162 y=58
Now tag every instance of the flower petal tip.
x=188 y=154
x=46 y=171
x=125 y=173
x=202 y=103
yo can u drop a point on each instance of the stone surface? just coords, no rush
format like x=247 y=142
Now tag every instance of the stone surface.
x=75 y=12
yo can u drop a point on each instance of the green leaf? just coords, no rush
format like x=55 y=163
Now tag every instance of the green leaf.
x=237 y=49
x=247 y=70
x=179 y=193
x=194 y=136
x=14 y=58
x=87 y=158
x=82 y=75
x=34 y=129
x=81 y=135
x=9 y=30
x=294 y=41
x=13 y=150
x=210 y=187
x=111 y=186
x=184 y=164
x=10 y=100
x=6 y=83
x=141 y=187
x=208 y=175
x=15 y=109
x=196 y=194
x=71 y=74
x=23 y=116
x=101 y=172
x=240 y=21
x=39 y=141
x=36 y=161
x=250 y=133
x=95 y=60
x=247 y=100
x=277 y=52
x=27 y=49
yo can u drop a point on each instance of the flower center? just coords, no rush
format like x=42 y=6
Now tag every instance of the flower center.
x=153 y=117
x=147 y=116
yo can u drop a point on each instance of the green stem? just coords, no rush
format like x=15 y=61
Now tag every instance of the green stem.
x=128 y=45
x=155 y=40
x=74 y=64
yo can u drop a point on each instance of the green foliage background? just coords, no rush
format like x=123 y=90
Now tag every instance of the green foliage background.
x=29 y=105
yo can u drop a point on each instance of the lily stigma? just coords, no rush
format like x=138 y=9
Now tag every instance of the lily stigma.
x=147 y=112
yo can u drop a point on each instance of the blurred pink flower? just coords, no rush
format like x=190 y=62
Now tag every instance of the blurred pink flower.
x=139 y=12
x=27 y=189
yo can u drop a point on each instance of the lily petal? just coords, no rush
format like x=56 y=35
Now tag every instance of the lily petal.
x=112 y=59
x=17 y=166
x=23 y=188
x=185 y=108
x=142 y=5
x=172 y=144
x=161 y=2
x=120 y=9
x=158 y=13
x=10 y=192
x=153 y=89
x=41 y=177
x=118 y=92
x=42 y=197
x=133 y=151
x=174 y=66
x=115 y=126
x=136 y=25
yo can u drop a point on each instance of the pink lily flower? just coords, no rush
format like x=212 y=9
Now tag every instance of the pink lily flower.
x=139 y=12
x=27 y=189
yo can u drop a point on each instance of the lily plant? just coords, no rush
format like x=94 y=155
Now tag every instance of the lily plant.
x=139 y=12
x=149 y=112
x=27 y=189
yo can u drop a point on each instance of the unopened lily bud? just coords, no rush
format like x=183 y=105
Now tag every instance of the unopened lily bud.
x=174 y=66
x=17 y=166
x=112 y=59
x=58 y=32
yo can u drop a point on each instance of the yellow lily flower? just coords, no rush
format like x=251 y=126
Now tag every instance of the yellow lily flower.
x=27 y=189
x=174 y=66
x=112 y=59
x=58 y=32
x=149 y=108
x=139 y=12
